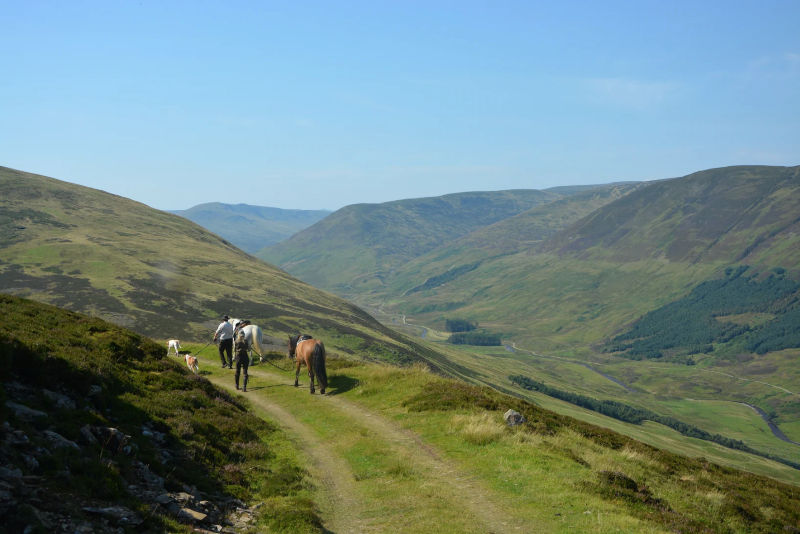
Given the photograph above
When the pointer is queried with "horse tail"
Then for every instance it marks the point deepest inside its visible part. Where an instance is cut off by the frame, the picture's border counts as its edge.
(319, 364)
(258, 339)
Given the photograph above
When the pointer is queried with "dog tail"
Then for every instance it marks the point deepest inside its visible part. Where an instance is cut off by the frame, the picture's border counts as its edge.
(319, 364)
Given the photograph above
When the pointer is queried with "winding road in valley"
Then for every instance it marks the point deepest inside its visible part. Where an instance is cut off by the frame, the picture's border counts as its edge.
(777, 432)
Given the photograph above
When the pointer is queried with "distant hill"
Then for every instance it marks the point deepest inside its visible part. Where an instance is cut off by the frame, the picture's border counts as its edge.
(358, 246)
(515, 234)
(251, 228)
(683, 291)
(657, 242)
(730, 214)
(159, 274)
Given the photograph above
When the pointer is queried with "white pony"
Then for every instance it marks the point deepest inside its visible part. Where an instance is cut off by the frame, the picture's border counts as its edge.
(253, 336)
(174, 344)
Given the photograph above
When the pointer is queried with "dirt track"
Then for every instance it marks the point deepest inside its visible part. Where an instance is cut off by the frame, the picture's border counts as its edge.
(342, 509)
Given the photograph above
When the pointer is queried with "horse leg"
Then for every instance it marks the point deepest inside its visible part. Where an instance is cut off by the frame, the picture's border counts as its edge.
(311, 376)
(297, 372)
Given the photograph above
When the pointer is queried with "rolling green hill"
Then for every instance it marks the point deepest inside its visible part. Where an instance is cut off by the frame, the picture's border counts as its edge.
(102, 432)
(746, 214)
(251, 228)
(158, 273)
(562, 280)
(630, 256)
(555, 304)
(358, 246)
(516, 234)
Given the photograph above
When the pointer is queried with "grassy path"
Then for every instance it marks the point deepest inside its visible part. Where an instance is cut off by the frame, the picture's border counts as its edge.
(371, 474)
(336, 499)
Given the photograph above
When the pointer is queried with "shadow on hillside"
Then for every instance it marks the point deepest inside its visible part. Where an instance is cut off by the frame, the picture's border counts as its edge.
(340, 384)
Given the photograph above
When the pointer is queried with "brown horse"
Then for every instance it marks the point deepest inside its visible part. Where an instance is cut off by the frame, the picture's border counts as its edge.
(310, 352)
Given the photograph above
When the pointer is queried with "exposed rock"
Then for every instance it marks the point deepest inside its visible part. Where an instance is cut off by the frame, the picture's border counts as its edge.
(18, 438)
(182, 497)
(87, 436)
(24, 412)
(147, 478)
(10, 474)
(513, 418)
(31, 462)
(94, 390)
(60, 441)
(164, 498)
(187, 514)
(59, 400)
(112, 439)
(118, 514)
(159, 437)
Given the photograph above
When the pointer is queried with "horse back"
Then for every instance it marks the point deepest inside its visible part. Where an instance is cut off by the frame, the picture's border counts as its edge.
(254, 336)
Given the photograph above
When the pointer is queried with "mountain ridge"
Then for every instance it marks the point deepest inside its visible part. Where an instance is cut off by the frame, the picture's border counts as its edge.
(250, 227)
(365, 242)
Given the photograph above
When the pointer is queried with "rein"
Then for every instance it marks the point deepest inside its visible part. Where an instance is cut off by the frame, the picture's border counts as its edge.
(275, 366)
(199, 351)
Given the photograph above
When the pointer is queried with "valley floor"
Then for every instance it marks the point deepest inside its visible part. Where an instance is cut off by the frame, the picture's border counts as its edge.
(710, 399)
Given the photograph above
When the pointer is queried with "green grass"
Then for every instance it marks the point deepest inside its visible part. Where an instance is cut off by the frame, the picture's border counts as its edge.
(354, 248)
(736, 420)
(555, 470)
(493, 366)
(421, 453)
(214, 443)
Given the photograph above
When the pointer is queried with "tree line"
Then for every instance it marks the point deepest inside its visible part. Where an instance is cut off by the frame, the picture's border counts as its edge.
(691, 326)
(484, 339)
(632, 414)
(459, 325)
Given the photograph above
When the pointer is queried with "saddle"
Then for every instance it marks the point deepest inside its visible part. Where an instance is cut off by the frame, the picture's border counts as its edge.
(304, 337)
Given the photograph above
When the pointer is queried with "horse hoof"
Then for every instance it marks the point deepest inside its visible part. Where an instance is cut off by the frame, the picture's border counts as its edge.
(322, 392)
(296, 384)
(312, 391)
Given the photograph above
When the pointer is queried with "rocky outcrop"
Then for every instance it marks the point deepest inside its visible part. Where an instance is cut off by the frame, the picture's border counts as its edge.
(30, 440)
(513, 418)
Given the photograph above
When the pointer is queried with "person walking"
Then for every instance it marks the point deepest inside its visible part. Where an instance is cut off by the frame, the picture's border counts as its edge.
(242, 359)
(224, 334)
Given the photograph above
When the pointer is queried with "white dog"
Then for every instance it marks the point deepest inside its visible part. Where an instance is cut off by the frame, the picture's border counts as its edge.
(191, 363)
(174, 344)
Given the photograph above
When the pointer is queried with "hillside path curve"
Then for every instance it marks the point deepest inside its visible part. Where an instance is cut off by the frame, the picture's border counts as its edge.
(462, 491)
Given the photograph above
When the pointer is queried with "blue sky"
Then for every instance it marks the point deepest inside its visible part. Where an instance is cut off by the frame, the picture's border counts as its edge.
(317, 105)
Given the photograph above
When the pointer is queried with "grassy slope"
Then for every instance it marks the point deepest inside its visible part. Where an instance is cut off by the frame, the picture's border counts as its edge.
(157, 273)
(628, 257)
(671, 235)
(633, 255)
(387, 424)
(214, 443)
(251, 228)
(507, 237)
(555, 474)
(355, 248)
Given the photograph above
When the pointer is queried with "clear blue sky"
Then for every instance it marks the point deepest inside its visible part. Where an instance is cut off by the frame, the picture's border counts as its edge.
(317, 105)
